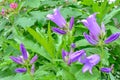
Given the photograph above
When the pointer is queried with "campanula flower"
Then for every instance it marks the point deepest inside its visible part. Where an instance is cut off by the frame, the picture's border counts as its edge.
(69, 57)
(13, 5)
(23, 60)
(89, 62)
(58, 19)
(106, 69)
(96, 32)
(20, 70)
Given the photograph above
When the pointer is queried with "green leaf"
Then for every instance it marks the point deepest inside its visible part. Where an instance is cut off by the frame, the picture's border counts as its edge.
(87, 76)
(33, 3)
(108, 17)
(41, 40)
(25, 21)
(82, 42)
(111, 76)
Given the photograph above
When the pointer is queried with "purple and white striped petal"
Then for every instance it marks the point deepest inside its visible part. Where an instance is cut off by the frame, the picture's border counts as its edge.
(71, 23)
(57, 30)
(23, 51)
(75, 56)
(90, 39)
(57, 18)
(18, 60)
(33, 59)
(112, 38)
(20, 70)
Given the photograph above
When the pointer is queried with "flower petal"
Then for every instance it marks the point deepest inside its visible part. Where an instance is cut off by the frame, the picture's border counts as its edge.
(92, 25)
(57, 18)
(64, 54)
(20, 70)
(90, 39)
(23, 51)
(106, 70)
(33, 59)
(57, 30)
(86, 67)
(18, 60)
(32, 69)
(112, 38)
(75, 56)
(71, 23)
(73, 45)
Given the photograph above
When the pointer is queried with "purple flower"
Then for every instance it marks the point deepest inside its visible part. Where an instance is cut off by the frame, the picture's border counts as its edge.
(23, 51)
(58, 30)
(70, 57)
(96, 32)
(71, 23)
(32, 69)
(73, 45)
(18, 60)
(33, 59)
(112, 38)
(3, 11)
(20, 70)
(58, 19)
(90, 62)
(106, 69)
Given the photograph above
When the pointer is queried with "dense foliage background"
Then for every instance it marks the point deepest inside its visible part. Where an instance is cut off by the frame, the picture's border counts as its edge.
(29, 25)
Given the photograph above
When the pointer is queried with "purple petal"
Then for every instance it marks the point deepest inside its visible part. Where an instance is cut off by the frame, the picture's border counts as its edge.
(112, 38)
(90, 39)
(103, 29)
(23, 51)
(75, 56)
(57, 18)
(57, 30)
(83, 59)
(33, 59)
(71, 23)
(87, 67)
(92, 25)
(32, 69)
(64, 54)
(18, 60)
(20, 70)
(73, 45)
(106, 70)
(93, 59)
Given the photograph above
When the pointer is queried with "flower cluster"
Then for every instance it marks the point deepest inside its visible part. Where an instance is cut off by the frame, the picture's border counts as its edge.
(96, 33)
(60, 21)
(24, 60)
(13, 5)
(89, 62)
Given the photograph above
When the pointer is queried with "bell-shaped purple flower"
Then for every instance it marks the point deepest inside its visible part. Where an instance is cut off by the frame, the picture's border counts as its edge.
(90, 39)
(32, 69)
(71, 23)
(75, 56)
(20, 70)
(90, 62)
(106, 70)
(92, 25)
(57, 18)
(18, 60)
(58, 30)
(64, 55)
(33, 59)
(23, 51)
(112, 38)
